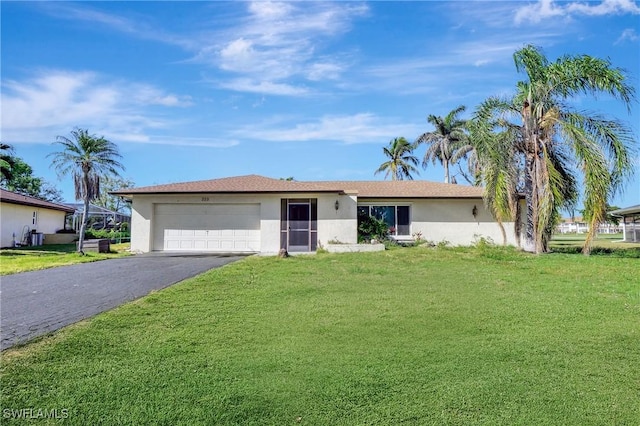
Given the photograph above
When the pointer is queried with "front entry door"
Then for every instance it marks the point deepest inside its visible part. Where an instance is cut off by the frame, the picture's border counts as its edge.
(299, 225)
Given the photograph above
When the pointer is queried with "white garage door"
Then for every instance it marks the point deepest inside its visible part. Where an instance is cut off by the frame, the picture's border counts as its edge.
(207, 227)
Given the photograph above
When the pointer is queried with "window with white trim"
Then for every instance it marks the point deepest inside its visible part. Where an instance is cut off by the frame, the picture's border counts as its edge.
(397, 217)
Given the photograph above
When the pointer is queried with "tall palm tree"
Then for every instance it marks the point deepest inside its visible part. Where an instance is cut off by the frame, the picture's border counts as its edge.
(547, 142)
(87, 158)
(448, 136)
(402, 162)
(6, 161)
(468, 153)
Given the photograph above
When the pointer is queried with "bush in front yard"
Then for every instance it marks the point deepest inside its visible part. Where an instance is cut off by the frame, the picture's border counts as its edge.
(110, 234)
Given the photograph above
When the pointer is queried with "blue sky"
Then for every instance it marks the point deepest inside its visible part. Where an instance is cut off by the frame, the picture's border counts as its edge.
(200, 90)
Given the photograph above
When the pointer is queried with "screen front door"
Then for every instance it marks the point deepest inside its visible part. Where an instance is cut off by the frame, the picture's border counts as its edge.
(299, 225)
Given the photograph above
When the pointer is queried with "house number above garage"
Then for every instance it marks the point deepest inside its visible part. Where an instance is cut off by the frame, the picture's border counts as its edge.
(205, 198)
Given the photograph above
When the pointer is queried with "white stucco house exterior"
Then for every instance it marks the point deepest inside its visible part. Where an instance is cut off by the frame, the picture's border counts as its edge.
(257, 214)
(20, 214)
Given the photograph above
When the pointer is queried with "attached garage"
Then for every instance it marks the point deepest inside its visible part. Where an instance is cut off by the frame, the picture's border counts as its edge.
(207, 227)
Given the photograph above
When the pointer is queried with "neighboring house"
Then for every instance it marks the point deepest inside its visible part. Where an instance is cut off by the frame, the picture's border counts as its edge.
(259, 214)
(21, 215)
(630, 223)
(578, 225)
(573, 225)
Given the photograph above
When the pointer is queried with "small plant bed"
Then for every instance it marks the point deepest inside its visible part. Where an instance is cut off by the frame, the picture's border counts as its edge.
(419, 336)
(25, 259)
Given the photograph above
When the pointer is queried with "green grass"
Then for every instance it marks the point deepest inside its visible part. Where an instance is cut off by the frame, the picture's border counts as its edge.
(608, 244)
(408, 336)
(25, 259)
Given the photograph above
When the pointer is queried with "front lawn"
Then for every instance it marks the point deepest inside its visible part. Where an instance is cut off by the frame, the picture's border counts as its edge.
(23, 259)
(408, 336)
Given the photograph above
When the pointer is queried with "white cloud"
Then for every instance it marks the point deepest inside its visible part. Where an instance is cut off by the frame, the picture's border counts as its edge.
(75, 12)
(539, 11)
(481, 62)
(173, 141)
(270, 9)
(272, 45)
(607, 7)
(628, 34)
(350, 129)
(277, 42)
(324, 71)
(264, 87)
(149, 95)
(545, 9)
(55, 101)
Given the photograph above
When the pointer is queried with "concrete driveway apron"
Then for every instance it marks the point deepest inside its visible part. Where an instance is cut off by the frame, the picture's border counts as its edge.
(39, 302)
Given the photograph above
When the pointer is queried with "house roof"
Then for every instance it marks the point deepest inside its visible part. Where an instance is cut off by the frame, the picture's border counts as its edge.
(15, 198)
(627, 211)
(261, 184)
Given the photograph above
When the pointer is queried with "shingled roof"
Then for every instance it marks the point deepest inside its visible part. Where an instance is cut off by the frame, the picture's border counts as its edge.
(25, 200)
(262, 184)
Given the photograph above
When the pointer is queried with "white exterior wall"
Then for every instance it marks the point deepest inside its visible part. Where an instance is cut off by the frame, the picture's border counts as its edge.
(438, 220)
(452, 220)
(141, 216)
(14, 218)
(332, 224)
(337, 225)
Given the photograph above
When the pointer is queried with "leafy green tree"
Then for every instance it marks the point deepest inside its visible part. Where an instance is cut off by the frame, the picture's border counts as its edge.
(87, 158)
(536, 143)
(113, 202)
(402, 163)
(50, 193)
(443, 142)
(22, 181)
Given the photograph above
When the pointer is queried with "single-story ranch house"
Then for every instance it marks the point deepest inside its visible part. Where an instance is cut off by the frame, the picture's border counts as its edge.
(22, 214)
(257, 214)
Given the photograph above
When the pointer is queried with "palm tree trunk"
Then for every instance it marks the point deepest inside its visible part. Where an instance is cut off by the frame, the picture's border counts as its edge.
(85, 214)
(597, 218)
(445, 163)
(530, 228)
(517, 224)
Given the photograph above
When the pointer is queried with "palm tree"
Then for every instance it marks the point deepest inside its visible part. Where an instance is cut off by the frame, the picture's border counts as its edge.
(87, 158)
(448, 136)
(497, 145)
(536, 143)
(402, 162)
(467, 152)
(6, 161)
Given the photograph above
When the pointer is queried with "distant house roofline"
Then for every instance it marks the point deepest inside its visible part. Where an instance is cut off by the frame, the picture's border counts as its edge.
(10, 197)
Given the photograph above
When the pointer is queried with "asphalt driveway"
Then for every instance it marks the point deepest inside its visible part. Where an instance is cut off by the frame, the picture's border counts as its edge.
(39, 302)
